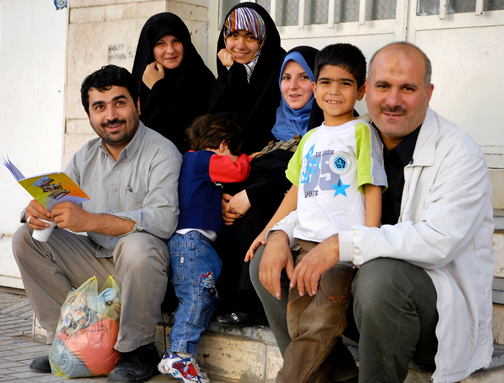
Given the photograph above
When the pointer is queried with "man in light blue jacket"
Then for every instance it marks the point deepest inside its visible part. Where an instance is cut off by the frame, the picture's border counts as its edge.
(131, 175)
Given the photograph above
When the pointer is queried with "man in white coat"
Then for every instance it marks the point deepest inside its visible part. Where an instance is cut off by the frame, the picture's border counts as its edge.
(424, 288)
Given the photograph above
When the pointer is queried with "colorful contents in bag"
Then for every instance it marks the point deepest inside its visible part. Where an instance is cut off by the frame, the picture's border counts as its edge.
(87, 331)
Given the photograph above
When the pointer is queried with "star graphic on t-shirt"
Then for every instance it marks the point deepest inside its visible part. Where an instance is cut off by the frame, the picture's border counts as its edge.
(340, 188)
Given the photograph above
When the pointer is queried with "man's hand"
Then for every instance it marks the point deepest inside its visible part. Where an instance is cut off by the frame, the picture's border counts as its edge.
(72, 217)
(260, 240)
(227, 216)
(308, 272)
(276, 257)
(152, 74)
(227, 59)
(34, 211)
(239, 204)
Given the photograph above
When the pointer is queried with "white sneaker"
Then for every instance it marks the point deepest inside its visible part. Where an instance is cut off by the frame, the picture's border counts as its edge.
(184, 369)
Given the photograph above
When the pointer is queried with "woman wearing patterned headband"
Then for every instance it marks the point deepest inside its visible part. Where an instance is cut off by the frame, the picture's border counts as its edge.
(248, 64)
(174, 82)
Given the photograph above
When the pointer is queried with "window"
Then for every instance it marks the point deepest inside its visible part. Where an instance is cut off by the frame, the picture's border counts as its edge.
(431, 7)
(317, 11)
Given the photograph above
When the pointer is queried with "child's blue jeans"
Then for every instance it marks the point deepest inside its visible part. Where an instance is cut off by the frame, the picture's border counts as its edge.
(195, 269)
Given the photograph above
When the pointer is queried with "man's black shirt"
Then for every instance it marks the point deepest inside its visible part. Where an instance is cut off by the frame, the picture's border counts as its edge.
(395, 160)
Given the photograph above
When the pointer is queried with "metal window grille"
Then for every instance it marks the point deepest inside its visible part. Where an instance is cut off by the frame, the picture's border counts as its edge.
(302, 12)
(443, 7)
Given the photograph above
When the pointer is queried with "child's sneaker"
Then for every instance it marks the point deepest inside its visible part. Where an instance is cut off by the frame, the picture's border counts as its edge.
(184, 369)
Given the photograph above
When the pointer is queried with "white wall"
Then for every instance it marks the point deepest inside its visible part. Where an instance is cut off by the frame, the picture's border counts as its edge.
(33, 38)
(468, 74)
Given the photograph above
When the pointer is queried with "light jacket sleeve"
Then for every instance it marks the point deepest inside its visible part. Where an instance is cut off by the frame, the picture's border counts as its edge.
(287, 225)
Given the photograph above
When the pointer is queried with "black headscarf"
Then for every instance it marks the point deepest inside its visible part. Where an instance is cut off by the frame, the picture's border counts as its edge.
(252, 105)
(175, 101)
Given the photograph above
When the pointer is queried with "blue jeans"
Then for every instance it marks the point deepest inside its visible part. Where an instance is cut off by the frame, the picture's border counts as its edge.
(195, 269)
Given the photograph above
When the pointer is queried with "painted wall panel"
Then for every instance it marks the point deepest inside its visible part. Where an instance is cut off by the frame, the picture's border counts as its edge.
(468, 76)
(32, 88)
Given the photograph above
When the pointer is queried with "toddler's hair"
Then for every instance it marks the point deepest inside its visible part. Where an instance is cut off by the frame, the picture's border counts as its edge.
(208, 131)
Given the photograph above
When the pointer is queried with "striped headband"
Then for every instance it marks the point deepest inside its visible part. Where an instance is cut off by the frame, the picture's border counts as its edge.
(246, 19)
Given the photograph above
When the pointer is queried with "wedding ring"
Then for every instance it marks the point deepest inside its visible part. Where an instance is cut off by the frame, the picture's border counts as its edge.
(28, 220)
(238, 214)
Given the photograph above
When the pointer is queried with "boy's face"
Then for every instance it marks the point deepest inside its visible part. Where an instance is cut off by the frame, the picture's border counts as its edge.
(336, 93)
(223, 150)
(227, 152)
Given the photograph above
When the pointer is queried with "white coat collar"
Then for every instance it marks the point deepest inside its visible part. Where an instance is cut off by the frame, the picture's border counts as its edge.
(425, 148)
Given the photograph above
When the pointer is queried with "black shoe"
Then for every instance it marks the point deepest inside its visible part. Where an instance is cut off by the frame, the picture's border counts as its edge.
(243, 319)
(136, 366)
(354, 379)
(41, 364)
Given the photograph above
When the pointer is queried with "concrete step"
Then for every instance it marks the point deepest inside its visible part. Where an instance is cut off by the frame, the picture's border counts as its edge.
(498, 243)
(250, 355)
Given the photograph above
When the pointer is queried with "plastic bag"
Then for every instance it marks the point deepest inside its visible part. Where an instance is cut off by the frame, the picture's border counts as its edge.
(87, 331)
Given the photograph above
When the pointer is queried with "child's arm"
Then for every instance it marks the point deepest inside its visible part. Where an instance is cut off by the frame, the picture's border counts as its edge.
(223, 169)
(289, 204)
(373, 204)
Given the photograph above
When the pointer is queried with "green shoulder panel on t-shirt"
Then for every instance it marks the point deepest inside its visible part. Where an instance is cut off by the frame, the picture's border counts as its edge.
(363, 151)
(293, 172)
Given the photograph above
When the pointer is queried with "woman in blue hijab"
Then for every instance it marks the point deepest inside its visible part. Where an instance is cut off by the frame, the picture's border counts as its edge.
(293, 114)
(256, 200)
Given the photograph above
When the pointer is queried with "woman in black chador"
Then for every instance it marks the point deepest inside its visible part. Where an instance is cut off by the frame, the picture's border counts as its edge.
(174, 82)
(248, 64)
(254, 202)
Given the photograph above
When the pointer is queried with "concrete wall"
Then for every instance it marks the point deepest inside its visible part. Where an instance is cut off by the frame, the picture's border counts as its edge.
(33, 36)
(42, 122)
(44, 56)
(105, 32)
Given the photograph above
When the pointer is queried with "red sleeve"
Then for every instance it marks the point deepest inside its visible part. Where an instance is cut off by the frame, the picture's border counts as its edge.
(222, 169)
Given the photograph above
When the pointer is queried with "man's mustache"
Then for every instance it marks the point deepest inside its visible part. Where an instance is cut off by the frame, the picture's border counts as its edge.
(395, 109)
(113, 122)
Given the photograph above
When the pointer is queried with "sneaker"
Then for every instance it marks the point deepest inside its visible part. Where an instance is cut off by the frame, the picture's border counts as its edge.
(184, 369)
(136, 366)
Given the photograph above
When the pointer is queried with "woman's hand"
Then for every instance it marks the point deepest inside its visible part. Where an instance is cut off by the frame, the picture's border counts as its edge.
(227, 59)
(239, 204)
(227, 216)
(152, 74)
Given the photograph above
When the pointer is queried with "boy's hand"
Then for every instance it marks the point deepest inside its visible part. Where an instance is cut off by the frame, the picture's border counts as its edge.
(260, 240)
(34, 211)
(308, 272)
(152, 74)
(227, 59)
(254, 155)
(276, 257)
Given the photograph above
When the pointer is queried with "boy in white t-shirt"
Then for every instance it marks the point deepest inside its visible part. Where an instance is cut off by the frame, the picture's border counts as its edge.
(339, 176)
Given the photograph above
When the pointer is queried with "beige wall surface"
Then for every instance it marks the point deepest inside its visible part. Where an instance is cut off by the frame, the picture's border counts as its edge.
(103, 32)
(33, 37)
(46, 53)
